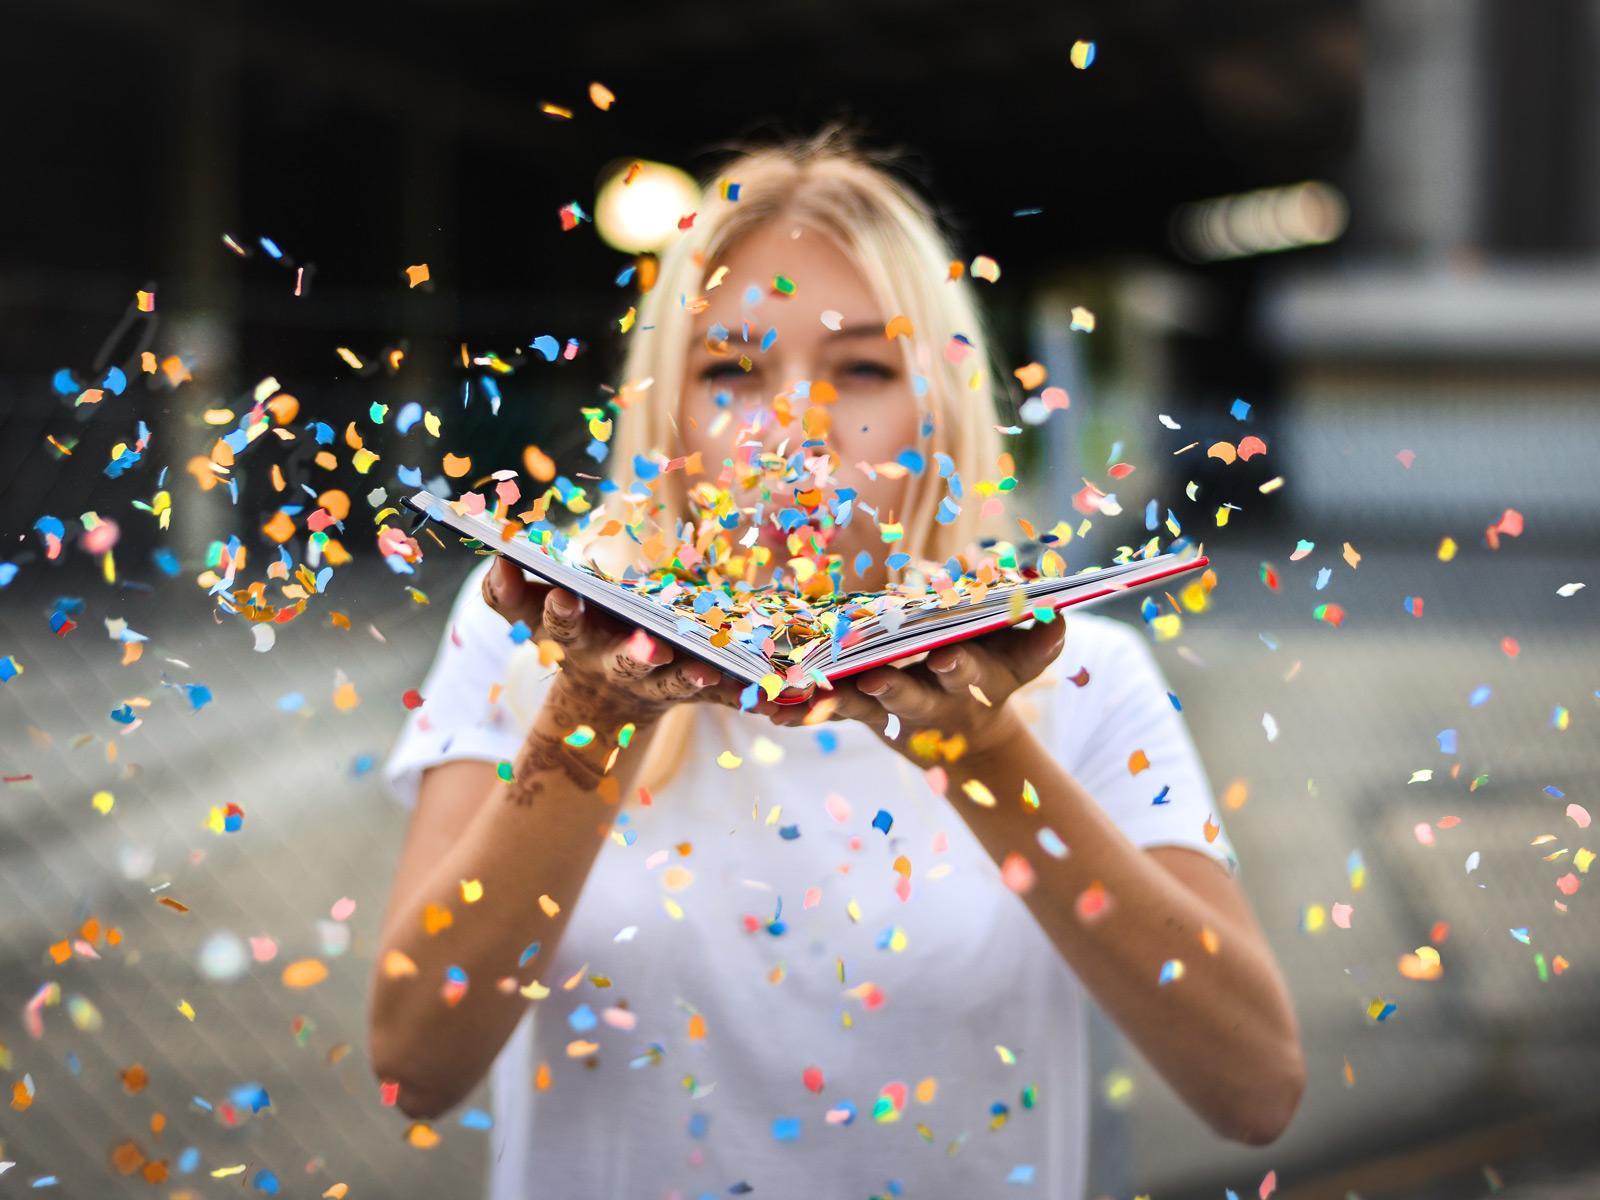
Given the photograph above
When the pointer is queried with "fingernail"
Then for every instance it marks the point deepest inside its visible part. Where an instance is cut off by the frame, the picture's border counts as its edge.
(873, 689)
(947, 668)
(561, 601)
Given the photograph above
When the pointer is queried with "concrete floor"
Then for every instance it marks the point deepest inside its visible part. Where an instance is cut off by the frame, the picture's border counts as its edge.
(1356, 718)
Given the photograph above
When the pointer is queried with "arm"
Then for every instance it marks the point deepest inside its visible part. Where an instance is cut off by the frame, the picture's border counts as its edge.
(1224, 1034)
(534, 836)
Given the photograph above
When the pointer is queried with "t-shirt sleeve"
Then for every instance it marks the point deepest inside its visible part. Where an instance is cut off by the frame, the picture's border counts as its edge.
(1122, 718)
(463, 714)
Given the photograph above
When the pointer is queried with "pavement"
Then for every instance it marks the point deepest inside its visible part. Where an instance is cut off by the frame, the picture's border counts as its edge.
(1357, 709)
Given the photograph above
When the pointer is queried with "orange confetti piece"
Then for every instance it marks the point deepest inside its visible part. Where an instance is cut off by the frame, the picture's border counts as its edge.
(436, 917)
(899, 326)
(417, 274)
(697, 1028)
(1138, 761)
(457, 465)
(422, 1136)
(307, 972)
(601, 97)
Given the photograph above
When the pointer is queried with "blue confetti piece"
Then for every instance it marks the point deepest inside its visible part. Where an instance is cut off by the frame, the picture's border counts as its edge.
(1021, 1173)
(582, 1018)
(270, 246)
(199, 695)
(519, 632)
(1447, 741)
(323, 432)
(73, 1064)
(699, 1125)
(266, 1182)
(1325, 574)
(912, 461)
(10, 668)
(115, 382)
(949, 510)
(788, 832)
(827, 741)
(363, 764)
(293, 702)
(749, 697)
(862, 563)
(645, 469)
(408, 417)
(883, 820)
(1162, 796)
(752, 295)
(63, 383)
(410, 476)
(1556, 792)
(786, 1129)
(476, 1118)
(44, 1181)
(8, 572)
(1521, 934)
(1152, 516)
(50, 527)
(1480, 695)
(1176, 703)
(123, 714)
(740, 1189)
(547, 346)
(1240, 410)
(768, 338)
(625, 276)
(189, 1159)
(897, 560)
(527, 954)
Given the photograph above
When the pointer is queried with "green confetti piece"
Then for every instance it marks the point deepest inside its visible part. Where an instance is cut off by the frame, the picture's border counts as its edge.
(504, 771)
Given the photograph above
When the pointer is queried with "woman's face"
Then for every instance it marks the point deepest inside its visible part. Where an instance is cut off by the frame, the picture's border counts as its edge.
(856, 377)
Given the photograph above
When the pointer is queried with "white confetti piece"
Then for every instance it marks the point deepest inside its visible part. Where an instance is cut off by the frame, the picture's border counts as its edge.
(891, 727)
(1569, 589)
(1270, 724)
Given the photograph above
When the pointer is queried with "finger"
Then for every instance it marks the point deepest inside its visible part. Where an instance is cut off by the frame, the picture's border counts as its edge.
(629, 659)
(511, 594)
(729, 693)
(906, 693)
(958, 668)
(563, 618)
(1027, 652)
(678, 682)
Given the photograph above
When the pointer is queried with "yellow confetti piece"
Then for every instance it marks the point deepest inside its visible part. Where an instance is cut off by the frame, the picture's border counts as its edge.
(673, 908)
(304, 973)
(1082, 54)
(926, 1090)
(186, 1009)
(1006, 1056)
(555, 110)
(337, 1191)
(471, 890)
(550, 907)
(853, 910)
(728, 760)
(226, 1172)
(349, 357)
(535, 990)
(363, 460)
(1082, 319)
(1447, 549)
(1582, 860)
(978, 793)
(103, 802)
(977, 694)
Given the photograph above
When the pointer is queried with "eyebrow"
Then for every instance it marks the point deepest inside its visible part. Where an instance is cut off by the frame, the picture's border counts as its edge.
(862, 329)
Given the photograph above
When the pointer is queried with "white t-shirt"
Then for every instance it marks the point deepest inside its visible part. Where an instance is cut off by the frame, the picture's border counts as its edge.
(718, 1004)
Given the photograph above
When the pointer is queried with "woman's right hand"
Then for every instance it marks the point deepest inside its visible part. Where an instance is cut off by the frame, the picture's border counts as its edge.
(615, 672)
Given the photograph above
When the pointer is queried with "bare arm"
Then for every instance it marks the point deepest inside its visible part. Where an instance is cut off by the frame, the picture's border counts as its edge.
(529, 843)
(1224, 1033)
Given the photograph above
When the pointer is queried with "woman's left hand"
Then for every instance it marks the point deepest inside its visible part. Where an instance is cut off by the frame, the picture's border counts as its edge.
(958, 692)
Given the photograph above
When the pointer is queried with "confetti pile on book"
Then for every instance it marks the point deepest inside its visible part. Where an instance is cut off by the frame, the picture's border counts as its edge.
(775, 639)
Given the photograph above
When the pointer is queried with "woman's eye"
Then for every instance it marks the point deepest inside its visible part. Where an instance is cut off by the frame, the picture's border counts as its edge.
(723, 370)
(866, 370)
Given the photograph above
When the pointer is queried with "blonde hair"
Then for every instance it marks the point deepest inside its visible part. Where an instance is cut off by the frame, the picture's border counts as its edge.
(893, 238)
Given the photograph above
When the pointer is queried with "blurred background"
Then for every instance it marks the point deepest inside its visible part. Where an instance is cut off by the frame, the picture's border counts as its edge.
(1365, 233)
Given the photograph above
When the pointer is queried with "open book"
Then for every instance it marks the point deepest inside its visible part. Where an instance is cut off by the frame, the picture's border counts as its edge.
(789, 644)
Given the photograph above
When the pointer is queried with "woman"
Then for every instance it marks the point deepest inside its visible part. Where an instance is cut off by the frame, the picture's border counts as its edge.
(776, 948)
